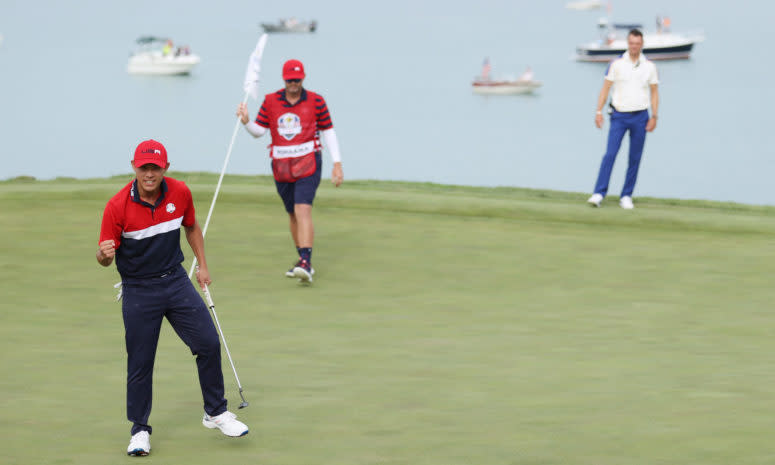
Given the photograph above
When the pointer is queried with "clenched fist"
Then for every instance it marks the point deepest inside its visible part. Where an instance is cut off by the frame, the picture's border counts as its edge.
(106, 252)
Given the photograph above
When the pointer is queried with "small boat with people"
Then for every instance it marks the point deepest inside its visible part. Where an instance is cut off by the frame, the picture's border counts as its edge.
(290, 25)
(484, 84)
(660, 45)
(157, 55)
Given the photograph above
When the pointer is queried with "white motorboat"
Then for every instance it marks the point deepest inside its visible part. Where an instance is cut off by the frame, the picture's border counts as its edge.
(290, 25)
(155, 55)
(483, 84)
(659, 45)
(491, 87)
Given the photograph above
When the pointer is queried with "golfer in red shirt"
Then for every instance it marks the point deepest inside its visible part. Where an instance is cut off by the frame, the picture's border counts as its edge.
(141, 231)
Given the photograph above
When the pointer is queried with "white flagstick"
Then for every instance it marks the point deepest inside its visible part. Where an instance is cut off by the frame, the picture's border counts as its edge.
(218, 187)
(251, 89)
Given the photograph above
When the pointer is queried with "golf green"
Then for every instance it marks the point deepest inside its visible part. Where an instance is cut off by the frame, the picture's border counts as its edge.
(446, 325)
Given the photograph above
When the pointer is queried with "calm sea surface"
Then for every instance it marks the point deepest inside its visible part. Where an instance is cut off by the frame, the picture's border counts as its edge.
(396, 76)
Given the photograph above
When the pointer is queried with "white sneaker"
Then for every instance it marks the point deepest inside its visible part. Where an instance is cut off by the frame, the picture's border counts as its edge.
(291, 274)
(140, 444)
(626, 203)
(595, 200)
(303, 271)
(226, 422)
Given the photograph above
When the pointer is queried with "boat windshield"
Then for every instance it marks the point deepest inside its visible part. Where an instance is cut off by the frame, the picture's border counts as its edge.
(152, 40)
(159, 45)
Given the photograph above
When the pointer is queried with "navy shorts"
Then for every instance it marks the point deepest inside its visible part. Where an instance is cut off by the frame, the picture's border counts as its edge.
(303, 190)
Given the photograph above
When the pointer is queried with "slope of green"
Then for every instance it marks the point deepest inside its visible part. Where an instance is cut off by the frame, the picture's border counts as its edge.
(446, 325)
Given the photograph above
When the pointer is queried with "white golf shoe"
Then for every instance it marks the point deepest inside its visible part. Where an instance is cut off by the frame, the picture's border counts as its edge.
(626, 203)
(303, 271)
(140, 444)
(226, 422)
(595, 200)
(291, 274)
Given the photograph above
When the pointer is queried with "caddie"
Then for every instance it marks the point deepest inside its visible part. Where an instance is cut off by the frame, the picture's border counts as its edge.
(297, 119)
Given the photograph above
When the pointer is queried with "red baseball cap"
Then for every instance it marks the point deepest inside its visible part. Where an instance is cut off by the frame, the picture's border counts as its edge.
(293, 69)
(150, 151)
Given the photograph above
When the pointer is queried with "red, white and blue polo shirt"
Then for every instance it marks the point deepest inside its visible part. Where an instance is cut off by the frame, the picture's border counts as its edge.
(294, 128)
(148, 236)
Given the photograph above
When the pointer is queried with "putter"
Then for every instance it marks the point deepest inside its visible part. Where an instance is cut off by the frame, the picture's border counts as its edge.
(210, 303)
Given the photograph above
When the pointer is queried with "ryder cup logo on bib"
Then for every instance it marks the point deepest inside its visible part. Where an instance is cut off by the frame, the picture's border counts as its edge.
(289, 125)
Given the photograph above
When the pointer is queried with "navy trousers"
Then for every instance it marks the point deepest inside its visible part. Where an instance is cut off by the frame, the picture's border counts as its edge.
(634, 122)
(146, 303)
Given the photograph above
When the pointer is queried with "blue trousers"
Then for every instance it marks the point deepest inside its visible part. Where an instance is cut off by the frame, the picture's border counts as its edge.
(634, 122)
(146, 303)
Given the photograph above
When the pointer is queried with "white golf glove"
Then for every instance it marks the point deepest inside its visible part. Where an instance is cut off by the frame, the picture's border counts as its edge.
(120, 290)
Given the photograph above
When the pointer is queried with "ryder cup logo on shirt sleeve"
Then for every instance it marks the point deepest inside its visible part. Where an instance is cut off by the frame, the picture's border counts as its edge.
(289, 125)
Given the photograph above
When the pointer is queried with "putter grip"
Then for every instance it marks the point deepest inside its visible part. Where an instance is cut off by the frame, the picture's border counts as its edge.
(208, 298)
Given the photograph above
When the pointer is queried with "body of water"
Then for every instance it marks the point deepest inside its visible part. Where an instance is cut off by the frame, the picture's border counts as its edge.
(396, 76)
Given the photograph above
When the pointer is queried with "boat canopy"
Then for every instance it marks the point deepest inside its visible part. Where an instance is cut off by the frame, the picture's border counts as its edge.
(145, 40)
(627, 26)
(603, 23)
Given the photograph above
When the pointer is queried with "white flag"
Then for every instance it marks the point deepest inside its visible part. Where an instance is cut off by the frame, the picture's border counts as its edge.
(254, 67)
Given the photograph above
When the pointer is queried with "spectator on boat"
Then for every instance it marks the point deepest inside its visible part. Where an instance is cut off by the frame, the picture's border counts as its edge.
(633, 79)
(663, 24)
(167, 49)
(527, 75)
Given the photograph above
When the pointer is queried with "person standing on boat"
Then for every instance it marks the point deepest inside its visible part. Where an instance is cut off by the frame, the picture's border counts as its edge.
(167, 49)
(527, 75)
(296, 119)
(634, 81)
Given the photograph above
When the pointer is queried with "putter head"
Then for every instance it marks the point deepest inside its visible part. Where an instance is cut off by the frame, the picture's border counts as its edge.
(243, 404)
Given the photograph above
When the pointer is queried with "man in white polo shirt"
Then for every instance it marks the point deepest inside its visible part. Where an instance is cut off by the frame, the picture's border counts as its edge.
(634, 81)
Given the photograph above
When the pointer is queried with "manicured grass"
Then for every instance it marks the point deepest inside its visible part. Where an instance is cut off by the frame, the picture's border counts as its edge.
(446, 325)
